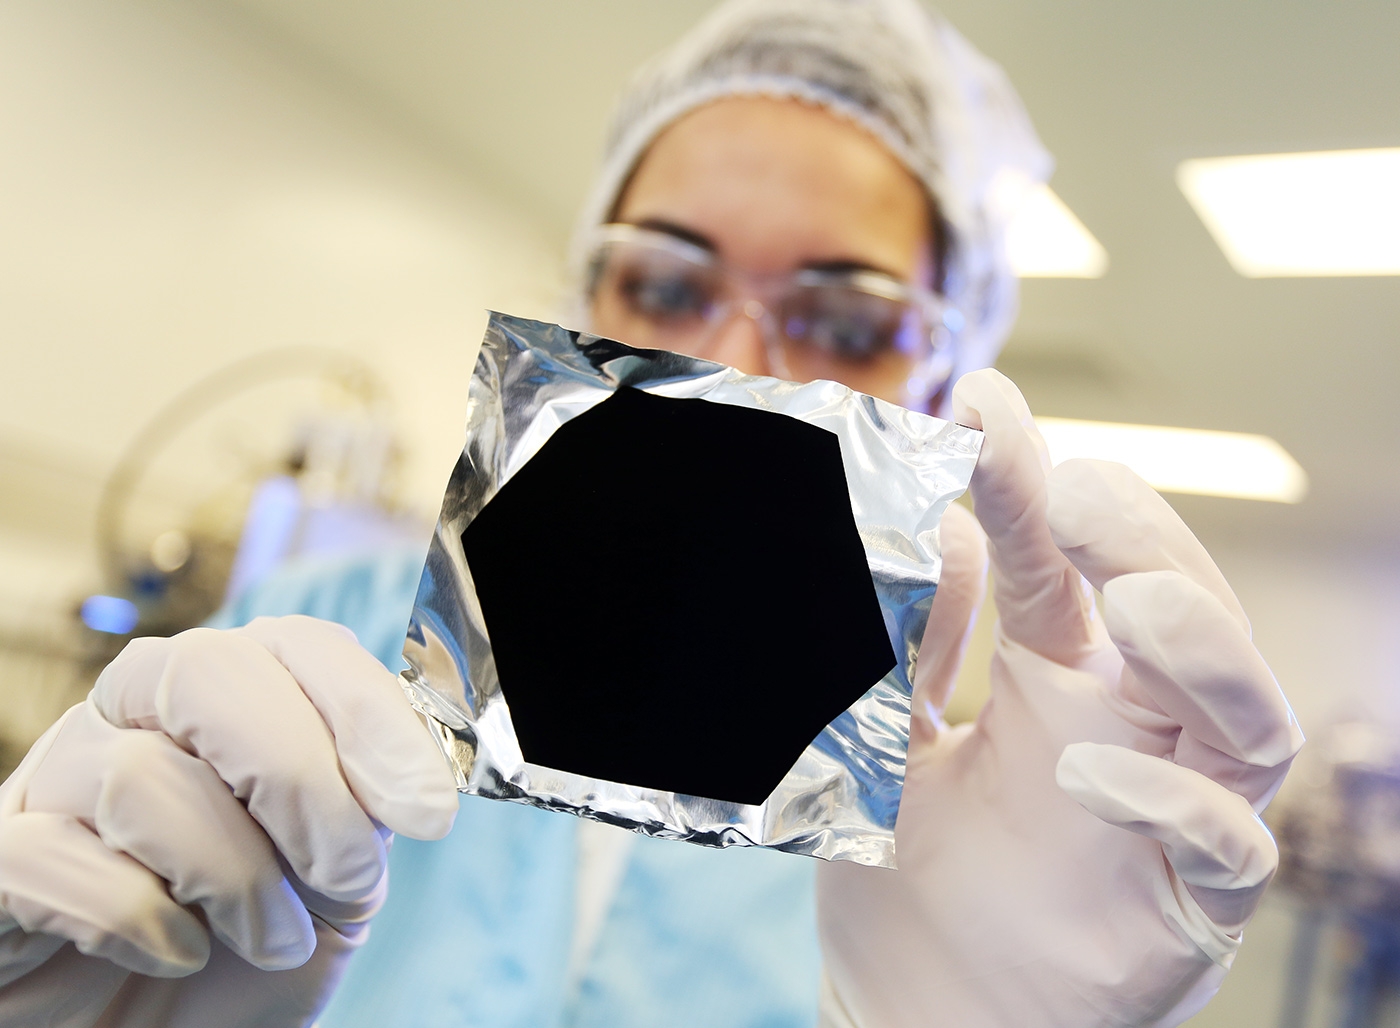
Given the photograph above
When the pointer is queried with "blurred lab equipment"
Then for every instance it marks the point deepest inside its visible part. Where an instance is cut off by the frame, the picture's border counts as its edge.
(284, 453)
(287, 453)
(1339, 850)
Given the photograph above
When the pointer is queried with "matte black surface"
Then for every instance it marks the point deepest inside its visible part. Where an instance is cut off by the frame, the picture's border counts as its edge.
(677, 596)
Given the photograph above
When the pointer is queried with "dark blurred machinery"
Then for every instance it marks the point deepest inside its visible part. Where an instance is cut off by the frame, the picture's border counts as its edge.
(286, 453)
(1339, 846)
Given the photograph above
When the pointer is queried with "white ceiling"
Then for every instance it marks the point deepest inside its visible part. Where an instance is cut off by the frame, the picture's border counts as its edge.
(516, 95)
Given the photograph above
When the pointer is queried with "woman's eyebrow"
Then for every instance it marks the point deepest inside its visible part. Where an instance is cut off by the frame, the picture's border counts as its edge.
(837, 265)
(670, 228)
(848, 266)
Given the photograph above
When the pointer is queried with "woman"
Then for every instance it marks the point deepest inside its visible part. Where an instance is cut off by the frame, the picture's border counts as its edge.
(801, 189)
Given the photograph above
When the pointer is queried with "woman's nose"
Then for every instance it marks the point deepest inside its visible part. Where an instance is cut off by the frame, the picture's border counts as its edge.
(740, 342)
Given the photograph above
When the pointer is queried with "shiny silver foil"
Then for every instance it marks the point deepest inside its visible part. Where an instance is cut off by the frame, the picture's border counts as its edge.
(840, 799)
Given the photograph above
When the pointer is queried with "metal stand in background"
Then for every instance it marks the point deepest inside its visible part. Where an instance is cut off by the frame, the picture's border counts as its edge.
(1339, 849)
(1302, 967)
(305, 432)
(167, 577)
(1373, 983)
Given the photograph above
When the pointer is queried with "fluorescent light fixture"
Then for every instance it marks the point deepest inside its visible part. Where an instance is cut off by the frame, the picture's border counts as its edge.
(1301, 214)
(1046, 240)
(1184, 460)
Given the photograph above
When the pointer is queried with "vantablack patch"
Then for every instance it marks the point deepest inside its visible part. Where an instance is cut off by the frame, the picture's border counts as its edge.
(677, 596)
(659, 593)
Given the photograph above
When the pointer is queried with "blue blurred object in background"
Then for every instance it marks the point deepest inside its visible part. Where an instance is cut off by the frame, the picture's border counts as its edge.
(110, 614)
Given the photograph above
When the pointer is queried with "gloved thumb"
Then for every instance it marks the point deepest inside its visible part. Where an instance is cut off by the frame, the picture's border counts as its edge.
(389, 761)
(962, 585)
(1043, 602)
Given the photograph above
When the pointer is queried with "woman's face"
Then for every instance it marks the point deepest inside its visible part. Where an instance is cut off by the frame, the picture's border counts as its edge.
(774, 187)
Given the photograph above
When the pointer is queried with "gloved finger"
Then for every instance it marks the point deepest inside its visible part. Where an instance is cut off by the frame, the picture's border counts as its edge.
(961, 588)
(1198, 664)
(1255, 783)
(69, 990)
(221, 862)
(1041, 599)
(161, 936)
(224, 698)
(1211, 837)
(21, 952)
(169, 811)
(58, 878)
(1109, 522)
(392, 765)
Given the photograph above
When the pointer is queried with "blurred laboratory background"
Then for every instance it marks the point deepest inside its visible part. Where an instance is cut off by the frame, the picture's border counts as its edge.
(247, 247)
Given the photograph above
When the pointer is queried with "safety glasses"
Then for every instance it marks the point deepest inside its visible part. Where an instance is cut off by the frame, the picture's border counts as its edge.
(864, 328)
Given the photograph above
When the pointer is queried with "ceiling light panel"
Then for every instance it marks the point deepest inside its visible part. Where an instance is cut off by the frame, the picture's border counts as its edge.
(1046, 240)
(1301, 214)
(1184, 460)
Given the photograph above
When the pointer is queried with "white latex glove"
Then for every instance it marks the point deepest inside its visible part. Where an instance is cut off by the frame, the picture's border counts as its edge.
(1088, 851)
(202, 842)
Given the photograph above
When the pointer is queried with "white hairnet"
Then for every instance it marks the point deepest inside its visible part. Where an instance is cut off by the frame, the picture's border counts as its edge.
(905, 75)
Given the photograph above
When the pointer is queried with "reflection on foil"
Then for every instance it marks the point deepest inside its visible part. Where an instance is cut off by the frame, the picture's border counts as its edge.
(840, 799)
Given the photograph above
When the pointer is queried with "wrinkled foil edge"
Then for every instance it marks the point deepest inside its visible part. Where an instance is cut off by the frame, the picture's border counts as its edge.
(841, 798)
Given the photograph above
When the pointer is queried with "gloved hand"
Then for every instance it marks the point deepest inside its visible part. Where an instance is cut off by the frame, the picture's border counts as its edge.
(1087, 852)
(202, 842)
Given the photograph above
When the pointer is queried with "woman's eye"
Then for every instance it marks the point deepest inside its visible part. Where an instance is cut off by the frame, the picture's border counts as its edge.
(847, 337)
(850, 326)
(665, 296)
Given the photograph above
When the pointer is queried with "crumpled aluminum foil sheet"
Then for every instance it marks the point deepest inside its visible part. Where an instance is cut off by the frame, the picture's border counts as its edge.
(840, 800)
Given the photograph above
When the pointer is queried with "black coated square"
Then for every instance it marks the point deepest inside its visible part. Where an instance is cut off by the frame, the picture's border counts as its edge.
(677, 596)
